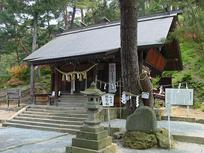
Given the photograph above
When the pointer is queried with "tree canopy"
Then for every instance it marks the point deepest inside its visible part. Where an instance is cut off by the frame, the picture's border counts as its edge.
(18, 19)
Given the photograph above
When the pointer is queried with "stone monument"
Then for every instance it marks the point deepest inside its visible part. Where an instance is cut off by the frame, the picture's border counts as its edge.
(143, 120)
(92, 138)
(140, 129)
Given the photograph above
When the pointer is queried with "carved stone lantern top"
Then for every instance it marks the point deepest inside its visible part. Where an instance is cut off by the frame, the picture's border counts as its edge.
(93, 91)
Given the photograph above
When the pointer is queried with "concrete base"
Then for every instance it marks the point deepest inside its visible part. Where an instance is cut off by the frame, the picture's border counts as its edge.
(92, 144)
(92, 140)
(189, 139)
(110, 149)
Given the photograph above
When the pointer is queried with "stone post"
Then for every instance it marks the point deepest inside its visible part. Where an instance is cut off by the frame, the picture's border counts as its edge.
(92, 137)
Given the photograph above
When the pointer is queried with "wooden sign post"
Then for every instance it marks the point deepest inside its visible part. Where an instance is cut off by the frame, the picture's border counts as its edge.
(108, 101)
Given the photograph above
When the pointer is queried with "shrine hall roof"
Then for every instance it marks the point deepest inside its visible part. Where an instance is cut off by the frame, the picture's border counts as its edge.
(103, 38)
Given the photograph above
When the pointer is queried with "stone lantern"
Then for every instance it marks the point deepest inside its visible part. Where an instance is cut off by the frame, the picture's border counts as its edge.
(92, 138)
(93, 105)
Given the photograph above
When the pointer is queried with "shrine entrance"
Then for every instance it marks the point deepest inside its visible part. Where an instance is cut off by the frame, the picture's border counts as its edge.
(72, 79)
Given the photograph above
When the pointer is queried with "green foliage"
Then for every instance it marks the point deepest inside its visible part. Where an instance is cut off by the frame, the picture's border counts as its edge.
(25, 75)
(155, 82)
(18, 16)
(102, 9)
(190, 33)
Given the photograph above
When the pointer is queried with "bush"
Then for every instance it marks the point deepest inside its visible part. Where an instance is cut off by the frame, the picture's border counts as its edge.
(197, 105)
(19, 75)
(15, 71)
(202, 107)
(14, 82)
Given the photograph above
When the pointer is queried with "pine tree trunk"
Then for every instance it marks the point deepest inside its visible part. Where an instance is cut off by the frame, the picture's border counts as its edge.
(34, 34)
(65, 16)
(82, 15)
(73, 17)
(129, 53)
(34, 46)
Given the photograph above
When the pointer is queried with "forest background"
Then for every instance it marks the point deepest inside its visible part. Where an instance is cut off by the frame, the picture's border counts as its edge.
(26, 25)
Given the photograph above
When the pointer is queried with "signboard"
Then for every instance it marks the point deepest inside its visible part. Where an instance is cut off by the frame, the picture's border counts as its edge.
(145, 95)
(112, 78)
(108, 100)
(179, 96)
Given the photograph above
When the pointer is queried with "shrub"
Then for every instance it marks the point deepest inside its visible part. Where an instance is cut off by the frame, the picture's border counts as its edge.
(17, 70)
(13, 82)
(19, 75)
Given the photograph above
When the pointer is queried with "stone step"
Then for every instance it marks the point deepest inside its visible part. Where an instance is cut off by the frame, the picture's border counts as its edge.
(61, 118)
(47, 120)
(41, 123)
(74, 98)
(70, 118)
(64, 130)
(53, 107)
(73, 101)
(67, 104)
(76, 114)
(57, 111)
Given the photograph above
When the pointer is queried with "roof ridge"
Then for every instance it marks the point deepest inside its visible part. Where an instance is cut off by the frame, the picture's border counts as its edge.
(90, 28)
(141, 19)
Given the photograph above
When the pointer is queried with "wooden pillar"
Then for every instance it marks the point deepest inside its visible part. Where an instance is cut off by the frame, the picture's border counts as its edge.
(56, 79)
(32, 83)
(96, 74)
(52, 81)
(86, 84)
(73, 86)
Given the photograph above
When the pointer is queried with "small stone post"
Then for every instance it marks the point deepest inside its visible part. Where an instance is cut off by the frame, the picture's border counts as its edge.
(92, 137)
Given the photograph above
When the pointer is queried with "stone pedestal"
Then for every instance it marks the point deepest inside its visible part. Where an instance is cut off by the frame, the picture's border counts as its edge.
(92, 138)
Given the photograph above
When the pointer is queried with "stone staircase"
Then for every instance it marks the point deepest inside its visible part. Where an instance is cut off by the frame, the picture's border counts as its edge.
(67, 117)
(66, 100)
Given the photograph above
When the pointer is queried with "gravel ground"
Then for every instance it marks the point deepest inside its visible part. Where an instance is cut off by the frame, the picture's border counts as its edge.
(179, 111)
(16, 140)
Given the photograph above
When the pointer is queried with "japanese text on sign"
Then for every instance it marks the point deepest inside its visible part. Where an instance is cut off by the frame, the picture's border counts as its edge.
(108, 100)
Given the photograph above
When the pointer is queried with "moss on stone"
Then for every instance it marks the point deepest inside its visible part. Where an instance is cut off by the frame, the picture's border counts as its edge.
(162, 136)
(146, 140)
(139, 140)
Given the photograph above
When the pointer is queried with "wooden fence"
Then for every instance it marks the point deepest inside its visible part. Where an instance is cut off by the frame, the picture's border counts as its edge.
(25, 96)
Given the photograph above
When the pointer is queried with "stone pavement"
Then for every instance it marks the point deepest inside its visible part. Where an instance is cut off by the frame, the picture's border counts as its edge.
(177, 127)
(16, 140)
(180, 147)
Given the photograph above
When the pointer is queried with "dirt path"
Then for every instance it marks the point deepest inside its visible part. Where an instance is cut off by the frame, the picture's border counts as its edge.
(182, 112)
(6, 113)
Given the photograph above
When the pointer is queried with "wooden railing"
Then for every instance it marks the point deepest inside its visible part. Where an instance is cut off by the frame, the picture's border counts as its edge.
(24, 95)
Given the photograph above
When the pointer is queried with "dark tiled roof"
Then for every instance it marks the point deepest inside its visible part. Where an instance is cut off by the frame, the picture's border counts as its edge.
(151, 31)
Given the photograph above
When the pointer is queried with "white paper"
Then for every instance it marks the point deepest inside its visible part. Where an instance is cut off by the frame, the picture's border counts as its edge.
(108, 100)
(112, 78)
(145, 95)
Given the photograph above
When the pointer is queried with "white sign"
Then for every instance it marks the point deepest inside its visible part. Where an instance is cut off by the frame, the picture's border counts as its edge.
(112, 78)
(123, 98)
(179, 96)
(108, 100)
(145, 95)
